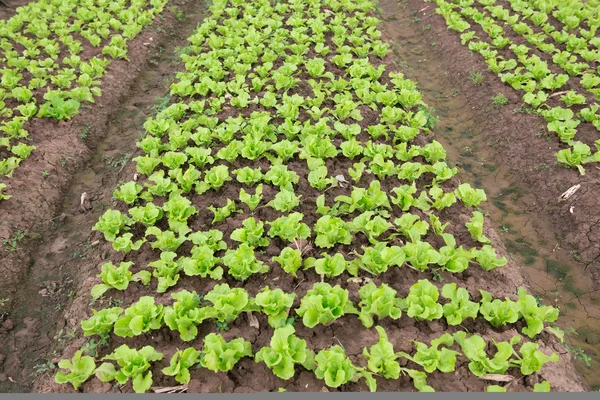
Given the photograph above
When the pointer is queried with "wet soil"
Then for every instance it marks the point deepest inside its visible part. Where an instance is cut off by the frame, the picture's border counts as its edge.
(508, 153)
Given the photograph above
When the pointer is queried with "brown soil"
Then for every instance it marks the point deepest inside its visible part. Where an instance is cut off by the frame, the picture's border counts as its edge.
(514, 141)
(69, 257)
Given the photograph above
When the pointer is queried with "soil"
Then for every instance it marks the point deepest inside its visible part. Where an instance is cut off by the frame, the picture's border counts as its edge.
(44, 328)
(518, 142)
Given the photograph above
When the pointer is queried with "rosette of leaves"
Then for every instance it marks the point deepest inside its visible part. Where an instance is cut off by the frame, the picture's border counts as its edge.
(323, 304)
(377, 301)
(275, 304)
(221, 356)
(118, 278)
(284, 352)
(133, 365)
(421, 302)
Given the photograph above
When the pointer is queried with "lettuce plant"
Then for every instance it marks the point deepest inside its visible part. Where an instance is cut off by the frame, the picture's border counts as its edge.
(180, 364)
(334, 366)
(140, 317)
(133, 365)
(227, 303)
(202, 263)
(118, 278)
(290, 260)
(111, 223)
(330, 266)
(421, 302)
(460, 307)
(498, 312)
(323, 304)
(432, 358)
(166, 270)
(242, 262)
(79, 368)
(101, 322)
(251, 233)
(275, 304)
(286, 350)
(377, 301)
(221, 356)
(185, 314)
(469, 196)
(289, 227)
(534, 315)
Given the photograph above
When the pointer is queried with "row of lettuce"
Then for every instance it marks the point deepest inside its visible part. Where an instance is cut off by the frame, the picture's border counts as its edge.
(287, 131)
(555, 62)
(53, 55)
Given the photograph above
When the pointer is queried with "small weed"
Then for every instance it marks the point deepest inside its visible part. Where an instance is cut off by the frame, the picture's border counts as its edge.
(12, 243)
(503, 229)
(64, 160)
(63, 335)
(426, 28)
(455, 92)
(579, 354)
(178, 12)
(433, 44)
(160, 103)
(499, 100)
(576, 256)
(436, 276)
(45, 173)
(117, 160)
(3, 301)
(476, 77)
(85, 131)
(542, 166)
(43, 367)
(112, 302)
(91, 347)
(222, 326)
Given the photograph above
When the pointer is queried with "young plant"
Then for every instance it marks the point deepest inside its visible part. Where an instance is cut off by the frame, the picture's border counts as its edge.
(334, 366)
(377, 301)
(139, 318)
(221, 356)
(180, 364)
(101, 322)
(133, 365)
(79, 368)
(498, 312)
(421, 302)
(242, 262)
(227, 303)
(460, 306)
(323, 304)
(431, 358)
(185, 314)
(286, 350)
(275, 304)
(118, 278)
(290, 260)
(251, 233)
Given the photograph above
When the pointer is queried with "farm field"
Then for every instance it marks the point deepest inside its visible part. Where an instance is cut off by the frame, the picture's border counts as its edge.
(293, 196)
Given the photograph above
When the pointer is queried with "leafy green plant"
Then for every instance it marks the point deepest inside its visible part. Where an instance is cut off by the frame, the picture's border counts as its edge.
(133, 366)
(286, 350)
(242, 262)
(180, 365)
(140, 317)
(334, 366)
(101, 322)
(460, 306)
(431, 358)
(221, 356)
(228, 303)
(185, 314)
(275, 304)
(377, 301)
(421, 302)
(323, 304)
(79, 368)
(118, 278)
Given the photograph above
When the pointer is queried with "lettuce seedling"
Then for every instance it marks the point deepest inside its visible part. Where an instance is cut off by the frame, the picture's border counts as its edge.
(202, 263)
(334, 366)
(421, 302)
(251, 233)
(118, 278)
(178, 210)
(111, 223)
(166, 270)
(420, 254)
(289, 227)
(180, 365)
(487, 259)
(474, 348)
(290, 260)
(252, 200)
(534, 315)
(148, 215)
(328, 266)
(139, 318)
(221, 213)
(531, 359)
(498, 312)
(475, 227)
(371, 224)
(185, 314)
(377, 301)
(432, 358)
(323, 304)
(79, 370)
(275, 304)
(286, 350)
(221, 356)
(133, 364)
(330, 231)
(460, 306)
(165, 241)
(227, 303)
(101, 322)
(469, 196)
(242, 262)
(213, 179)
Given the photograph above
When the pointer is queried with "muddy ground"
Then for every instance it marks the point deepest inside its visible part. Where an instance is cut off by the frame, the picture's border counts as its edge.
(43, 327)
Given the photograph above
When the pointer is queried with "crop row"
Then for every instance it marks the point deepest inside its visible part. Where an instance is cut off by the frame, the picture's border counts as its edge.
(286, 351)
(53, 55)
(322, 304)
(289, 141)
(576, 57)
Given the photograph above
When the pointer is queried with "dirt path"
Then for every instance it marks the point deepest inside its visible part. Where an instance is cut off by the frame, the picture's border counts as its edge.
(131, 93)
(505, 152)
